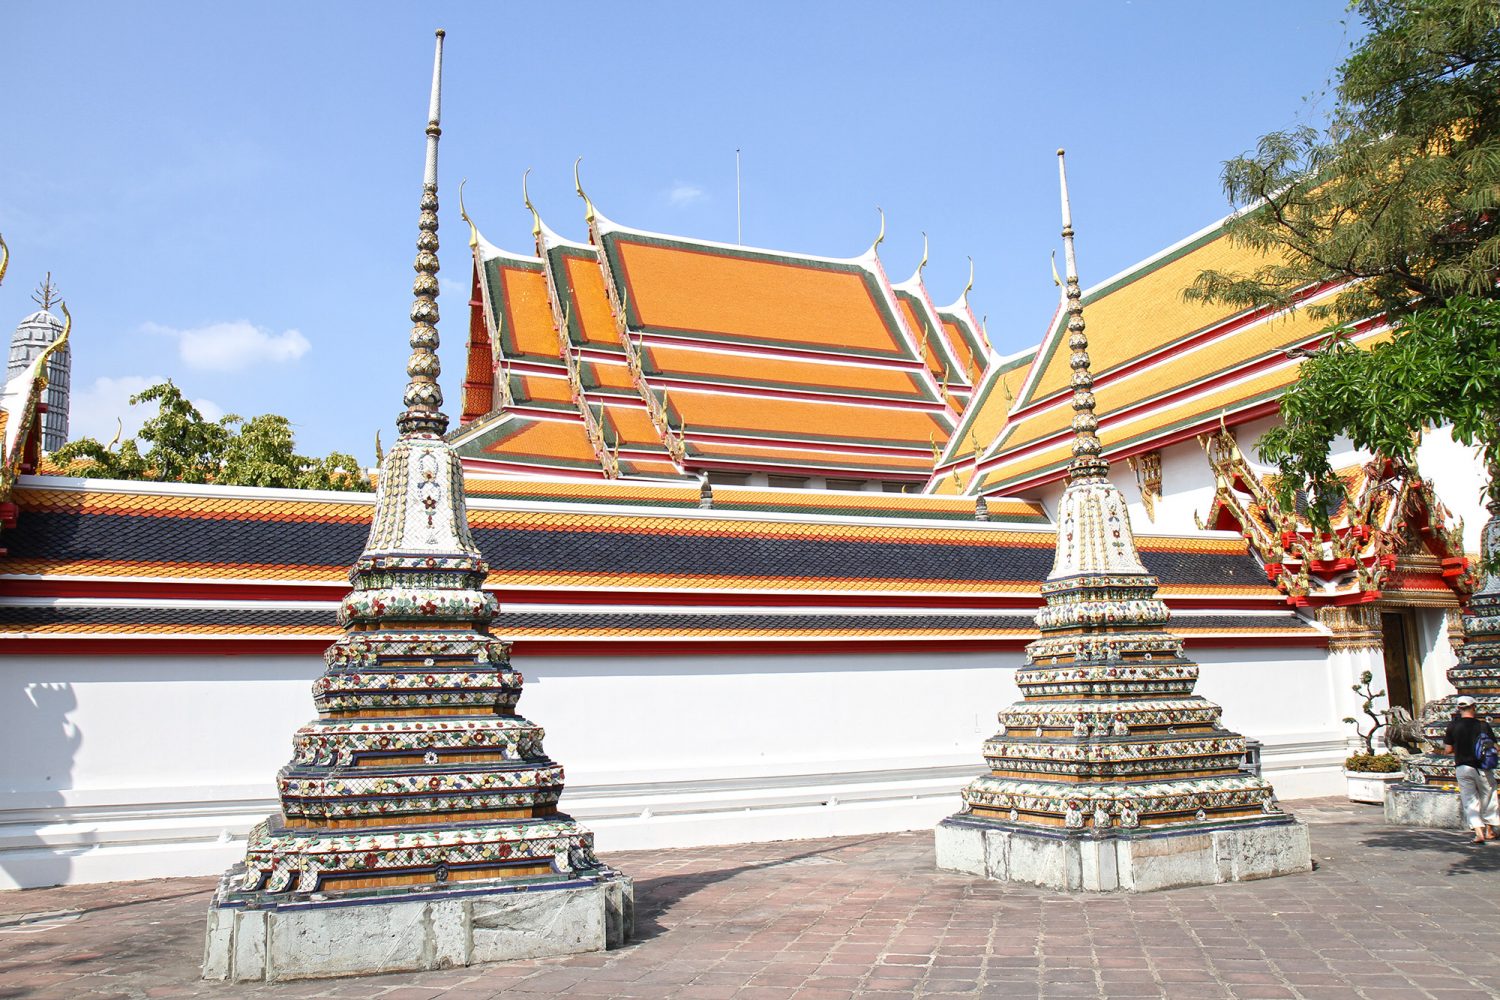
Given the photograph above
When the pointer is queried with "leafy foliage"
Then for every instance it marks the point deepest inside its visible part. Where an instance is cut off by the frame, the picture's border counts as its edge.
(1399, 193)
(1394, 205)
(1442, 368)
(181, 446)
(1373, 763)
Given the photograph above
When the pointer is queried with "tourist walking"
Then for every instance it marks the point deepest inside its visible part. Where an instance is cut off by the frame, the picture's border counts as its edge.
(1474, 767)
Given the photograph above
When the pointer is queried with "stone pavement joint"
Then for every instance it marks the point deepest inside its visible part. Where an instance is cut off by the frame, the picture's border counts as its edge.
(1389, 914)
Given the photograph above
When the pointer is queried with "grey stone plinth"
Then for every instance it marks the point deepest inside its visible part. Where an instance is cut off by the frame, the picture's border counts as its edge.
(1124, 860)
(1407, 804)
(433, 930)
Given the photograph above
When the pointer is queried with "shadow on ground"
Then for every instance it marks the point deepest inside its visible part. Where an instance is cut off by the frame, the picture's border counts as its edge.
(656, 896)
(1464, 859)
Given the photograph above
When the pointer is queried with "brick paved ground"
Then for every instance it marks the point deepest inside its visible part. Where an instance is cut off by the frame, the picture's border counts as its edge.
(1390, 914)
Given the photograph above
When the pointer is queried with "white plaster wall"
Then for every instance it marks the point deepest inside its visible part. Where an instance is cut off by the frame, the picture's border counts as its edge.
(1459, 477)
(632, 719)
(89, 727)
(1187, 490)
(1436, 652)
(1286, 698)
(131, 767)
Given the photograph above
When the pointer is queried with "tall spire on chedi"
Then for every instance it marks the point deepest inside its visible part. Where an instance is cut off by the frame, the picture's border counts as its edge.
(418, 805)
(1111, 773)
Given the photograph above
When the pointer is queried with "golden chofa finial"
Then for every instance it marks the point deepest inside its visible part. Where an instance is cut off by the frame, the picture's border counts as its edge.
(879, 237)
(588, 214)
(4, 258)
(970, 286)
(57, 344)
(923, 263)
(536, 219)
(463, 213)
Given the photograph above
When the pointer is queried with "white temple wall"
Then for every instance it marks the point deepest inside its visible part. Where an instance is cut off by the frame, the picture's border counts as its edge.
(1437, 652)
(1459, 477)
(127, 767)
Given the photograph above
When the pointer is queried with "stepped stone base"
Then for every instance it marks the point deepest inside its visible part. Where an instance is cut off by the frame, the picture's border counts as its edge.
(1124, 860)
(1407, 804)
(310, 939)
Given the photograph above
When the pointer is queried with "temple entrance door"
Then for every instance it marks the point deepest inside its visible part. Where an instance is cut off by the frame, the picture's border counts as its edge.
(1403, 666)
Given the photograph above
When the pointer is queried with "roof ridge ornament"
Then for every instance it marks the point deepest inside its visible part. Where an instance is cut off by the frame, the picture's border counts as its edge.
(57, 345)
(923, 262)
(463, 213)
(588, 213)
(969, 286)
(4, 257)
(536, 219)
(1087, 464)
(879, 237)
(424, 397)
(46, 293)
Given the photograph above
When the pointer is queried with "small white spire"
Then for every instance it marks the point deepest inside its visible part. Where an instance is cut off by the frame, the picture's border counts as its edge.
(1070, 260)
(435, 113)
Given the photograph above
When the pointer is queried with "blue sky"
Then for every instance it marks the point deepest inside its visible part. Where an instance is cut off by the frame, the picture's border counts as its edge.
(227, 194)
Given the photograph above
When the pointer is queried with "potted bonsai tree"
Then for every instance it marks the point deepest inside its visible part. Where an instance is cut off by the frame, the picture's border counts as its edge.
(1371, 770)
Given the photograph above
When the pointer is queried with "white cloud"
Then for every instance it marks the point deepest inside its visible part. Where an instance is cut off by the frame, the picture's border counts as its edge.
(453, 289)
(682, 194)
(94, 411)
(227, 347)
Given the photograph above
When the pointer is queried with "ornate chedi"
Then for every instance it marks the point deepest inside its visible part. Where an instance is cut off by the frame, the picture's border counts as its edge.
(1111, 773)
(418, 806)
(1428, 794)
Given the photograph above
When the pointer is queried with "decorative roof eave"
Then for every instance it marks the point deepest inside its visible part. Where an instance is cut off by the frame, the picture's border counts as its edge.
(482, 248)
(933, 336)
(970, 326)
(1366, 553)
(954, 455)
(607, 453)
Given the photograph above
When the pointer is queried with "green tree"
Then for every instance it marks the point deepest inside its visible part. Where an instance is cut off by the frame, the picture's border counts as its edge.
(1395, 202)
(181, 446)
(1442, 368)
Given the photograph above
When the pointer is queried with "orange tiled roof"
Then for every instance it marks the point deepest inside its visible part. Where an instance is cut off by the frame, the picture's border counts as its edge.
(737, 295)
(519, 317)
(816, 456)
(560, 442)
(805, 419)
(585, 300)
(686, 361)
